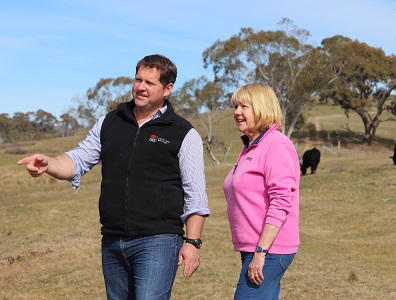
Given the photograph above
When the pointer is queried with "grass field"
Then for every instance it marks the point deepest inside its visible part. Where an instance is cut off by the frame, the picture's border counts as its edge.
(50, 234)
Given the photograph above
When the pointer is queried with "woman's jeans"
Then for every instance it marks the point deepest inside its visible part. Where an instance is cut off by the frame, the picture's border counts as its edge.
(142, 268)
(274, 267)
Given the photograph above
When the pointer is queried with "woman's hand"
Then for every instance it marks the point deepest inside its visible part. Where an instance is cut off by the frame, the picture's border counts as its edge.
(255, 269)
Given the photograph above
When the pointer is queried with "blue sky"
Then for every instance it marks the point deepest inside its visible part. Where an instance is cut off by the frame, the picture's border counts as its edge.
(51, 52)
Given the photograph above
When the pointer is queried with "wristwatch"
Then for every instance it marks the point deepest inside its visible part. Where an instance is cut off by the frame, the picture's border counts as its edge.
(259, 249)
(196, 242)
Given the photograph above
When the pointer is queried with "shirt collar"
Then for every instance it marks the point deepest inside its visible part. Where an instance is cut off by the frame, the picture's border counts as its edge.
(157, 114)
(161, 111)
(245, 140)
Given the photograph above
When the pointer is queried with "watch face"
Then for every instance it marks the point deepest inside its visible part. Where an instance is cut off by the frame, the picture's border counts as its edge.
(259, 249)
(199, 243)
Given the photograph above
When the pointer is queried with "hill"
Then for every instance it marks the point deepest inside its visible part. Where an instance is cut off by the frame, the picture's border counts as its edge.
(50, 239)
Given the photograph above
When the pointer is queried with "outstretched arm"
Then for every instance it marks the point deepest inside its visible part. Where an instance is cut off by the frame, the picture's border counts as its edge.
(61, 166)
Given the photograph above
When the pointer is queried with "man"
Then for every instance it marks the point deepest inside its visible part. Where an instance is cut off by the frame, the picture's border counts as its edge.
(152, 183)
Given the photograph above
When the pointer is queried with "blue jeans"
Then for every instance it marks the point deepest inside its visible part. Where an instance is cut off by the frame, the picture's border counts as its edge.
(274, 267)
(142, 268)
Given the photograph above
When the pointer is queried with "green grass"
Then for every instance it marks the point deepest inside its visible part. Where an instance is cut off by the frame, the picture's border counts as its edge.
(50, 234)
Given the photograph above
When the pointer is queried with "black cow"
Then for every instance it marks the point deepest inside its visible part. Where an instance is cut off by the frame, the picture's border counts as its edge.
(311, 158)
(394, 155)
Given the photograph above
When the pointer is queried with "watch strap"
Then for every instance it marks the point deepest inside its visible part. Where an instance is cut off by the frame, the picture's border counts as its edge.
(195, 242)
(259, 249)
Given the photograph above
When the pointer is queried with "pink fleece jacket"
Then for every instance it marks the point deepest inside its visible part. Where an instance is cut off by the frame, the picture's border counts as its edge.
(263, 187)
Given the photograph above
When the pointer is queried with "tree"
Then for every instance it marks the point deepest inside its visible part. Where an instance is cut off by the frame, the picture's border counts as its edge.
(392, 106)
(69, 124)
(363, 78)
(22, 128)
(5, 127)
(280, 58)
(44, 122)
(102, 98)
(198, 98)
(109, 92)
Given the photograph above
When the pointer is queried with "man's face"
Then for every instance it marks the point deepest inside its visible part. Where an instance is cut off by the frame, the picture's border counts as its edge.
(148, 92)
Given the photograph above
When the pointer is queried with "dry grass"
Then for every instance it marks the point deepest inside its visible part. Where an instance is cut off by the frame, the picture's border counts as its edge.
(50, 239)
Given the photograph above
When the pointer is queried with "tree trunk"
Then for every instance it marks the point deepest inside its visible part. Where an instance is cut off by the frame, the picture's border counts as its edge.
(208, 150)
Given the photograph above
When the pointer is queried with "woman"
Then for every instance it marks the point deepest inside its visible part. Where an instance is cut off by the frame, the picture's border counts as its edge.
(262, 193)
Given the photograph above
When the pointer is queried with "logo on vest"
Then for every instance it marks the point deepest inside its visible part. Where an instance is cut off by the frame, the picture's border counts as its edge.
(155, 138)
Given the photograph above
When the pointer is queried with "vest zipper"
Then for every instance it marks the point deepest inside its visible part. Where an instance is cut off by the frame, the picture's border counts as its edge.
(127, 184)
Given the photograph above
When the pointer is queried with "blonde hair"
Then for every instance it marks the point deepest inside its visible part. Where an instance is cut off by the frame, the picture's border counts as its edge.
(264, 103)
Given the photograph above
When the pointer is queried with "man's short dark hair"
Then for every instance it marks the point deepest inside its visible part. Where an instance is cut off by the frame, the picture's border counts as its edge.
(168, 70)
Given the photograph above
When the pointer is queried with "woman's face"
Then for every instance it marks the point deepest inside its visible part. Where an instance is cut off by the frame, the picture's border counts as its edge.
(244, 118)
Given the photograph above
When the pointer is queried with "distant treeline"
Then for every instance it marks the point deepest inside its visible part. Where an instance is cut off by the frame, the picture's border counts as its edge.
(35, 126)
(359, 78)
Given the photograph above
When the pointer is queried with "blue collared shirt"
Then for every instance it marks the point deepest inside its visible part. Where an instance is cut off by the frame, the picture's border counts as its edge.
(192, 171)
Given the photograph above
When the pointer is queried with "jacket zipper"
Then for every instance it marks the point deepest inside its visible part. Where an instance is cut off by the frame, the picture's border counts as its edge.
(240, 155)
(127, 183)
(129, 167)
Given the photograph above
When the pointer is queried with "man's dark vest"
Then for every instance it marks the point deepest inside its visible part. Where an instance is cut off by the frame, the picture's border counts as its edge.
(141, 192)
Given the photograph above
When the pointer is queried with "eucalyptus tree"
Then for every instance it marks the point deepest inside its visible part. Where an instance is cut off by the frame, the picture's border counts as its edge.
(22, 127)
(5, 127)
(392, 104)
(5, 123)
(103, 97)
(44, 122)
(197, 99)
(362, 80)
(283, 59)
(68, 124)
